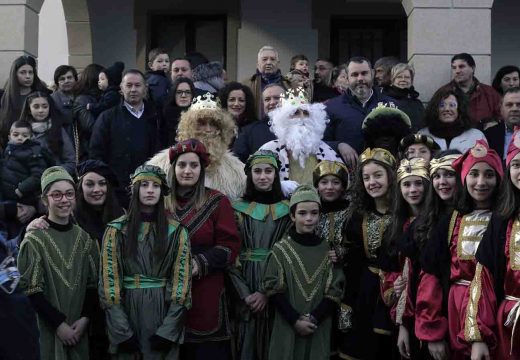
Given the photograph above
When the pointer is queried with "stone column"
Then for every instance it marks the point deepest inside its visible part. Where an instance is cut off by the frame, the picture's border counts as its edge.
(285, 25)
(438, 29)
(19, 29)
(79, 34)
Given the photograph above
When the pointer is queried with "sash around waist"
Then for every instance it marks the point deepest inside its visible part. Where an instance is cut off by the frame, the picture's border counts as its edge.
(138, 281)
(257, 254)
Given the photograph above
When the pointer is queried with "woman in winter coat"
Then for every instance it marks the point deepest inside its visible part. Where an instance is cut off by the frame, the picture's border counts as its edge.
(406, 97)
(23, 80)
(179, 100)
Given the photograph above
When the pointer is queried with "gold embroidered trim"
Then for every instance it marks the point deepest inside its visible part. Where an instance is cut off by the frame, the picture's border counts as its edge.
(471, 330)
(453, 220)
(471, 230)
(401, 303)
(514, 245)
(315, 279)
(373, 227)
(68, 264)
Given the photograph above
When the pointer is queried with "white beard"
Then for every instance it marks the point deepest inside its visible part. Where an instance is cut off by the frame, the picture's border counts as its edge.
(301, 136)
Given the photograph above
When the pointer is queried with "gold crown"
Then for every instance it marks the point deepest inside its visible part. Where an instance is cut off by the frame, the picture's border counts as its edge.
(443, 163)
(205, 102)
(378, 154)
(412, 167)
(294, 97)
(328, 167)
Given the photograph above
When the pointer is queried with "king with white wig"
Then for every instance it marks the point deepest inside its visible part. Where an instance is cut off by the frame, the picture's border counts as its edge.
(299, 127)
(207, 122)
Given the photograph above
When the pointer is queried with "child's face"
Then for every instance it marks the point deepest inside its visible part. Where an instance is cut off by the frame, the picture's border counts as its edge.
(160, 63)
(302, 65)
(19, 135)
(39, 109)
(306, 216)
(103, 81)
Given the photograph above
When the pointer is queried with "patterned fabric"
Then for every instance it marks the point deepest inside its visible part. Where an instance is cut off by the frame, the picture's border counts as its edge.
(325, 152)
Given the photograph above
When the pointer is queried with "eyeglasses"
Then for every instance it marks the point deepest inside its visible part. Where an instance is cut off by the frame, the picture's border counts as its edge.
(58, 195)
(448, 105)
(183, 92)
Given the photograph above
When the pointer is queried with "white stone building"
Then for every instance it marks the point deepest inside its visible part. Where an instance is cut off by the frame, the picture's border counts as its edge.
(425, 32)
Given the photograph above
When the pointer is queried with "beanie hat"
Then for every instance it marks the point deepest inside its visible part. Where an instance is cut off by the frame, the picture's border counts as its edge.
(513, 148)
(304, 193)
(187, 146)
(54, 174)
(204, 72)
(98, 167)
(151, 173)
(478, 153)
(114, 73)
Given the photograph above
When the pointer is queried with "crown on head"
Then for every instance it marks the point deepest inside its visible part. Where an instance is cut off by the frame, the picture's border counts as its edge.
(205, 102)
(294, 97)
(378, 154)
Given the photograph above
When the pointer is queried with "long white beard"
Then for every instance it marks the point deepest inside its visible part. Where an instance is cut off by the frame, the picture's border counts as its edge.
(301, 136)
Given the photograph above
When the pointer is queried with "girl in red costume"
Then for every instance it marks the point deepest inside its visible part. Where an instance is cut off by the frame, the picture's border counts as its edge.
(413, 182)
(448, 259)
(497, 277)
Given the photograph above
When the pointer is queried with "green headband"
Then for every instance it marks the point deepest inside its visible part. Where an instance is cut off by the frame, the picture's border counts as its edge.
(304, 193)
(263, 157)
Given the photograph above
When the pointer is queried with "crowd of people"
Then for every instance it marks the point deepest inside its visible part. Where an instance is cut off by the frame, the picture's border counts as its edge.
(174, 214)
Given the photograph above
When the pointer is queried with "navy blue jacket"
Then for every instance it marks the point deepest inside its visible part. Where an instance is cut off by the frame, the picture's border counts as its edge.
(251, 137)
(346, 116)
(159, 86)
(124, 142)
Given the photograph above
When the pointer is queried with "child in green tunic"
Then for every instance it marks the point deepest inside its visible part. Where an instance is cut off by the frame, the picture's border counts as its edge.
(59, 272)
(146, 274)
(303, 285)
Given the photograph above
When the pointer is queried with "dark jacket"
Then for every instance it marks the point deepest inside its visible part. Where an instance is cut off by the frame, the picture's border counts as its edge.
(346, 116)
(323, 92)
(408, 101)
(171, 115)
(251, 137)
(124, 142)
(110, 98)
(158, 87)
(64, 104)
(496, 137)
(22, 168)
(83, 124)
(257, 84)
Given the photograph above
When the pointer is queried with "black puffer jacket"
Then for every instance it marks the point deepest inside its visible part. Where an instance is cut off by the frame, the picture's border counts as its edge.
(22, 168)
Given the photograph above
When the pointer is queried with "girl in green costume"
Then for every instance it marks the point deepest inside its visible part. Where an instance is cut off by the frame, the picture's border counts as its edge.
(59, 272)
(303, 284)
(263, 218)
(146, 274)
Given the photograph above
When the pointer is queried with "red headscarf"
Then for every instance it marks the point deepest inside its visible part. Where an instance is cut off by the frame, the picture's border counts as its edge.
(187, 146)
(478, 153)
(513, 148)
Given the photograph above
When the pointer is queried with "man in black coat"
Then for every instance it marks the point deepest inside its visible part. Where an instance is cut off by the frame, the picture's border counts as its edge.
(499, 136)
(127, 135)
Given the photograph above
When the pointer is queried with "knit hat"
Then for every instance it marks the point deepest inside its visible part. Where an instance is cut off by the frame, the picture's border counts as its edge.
(114, 73)
(478, 153)
(98, 167)
(53, 174)
(151, 173)
(412, 167)
(187, 146)
(328, 167)
(513, 148)
(417, 139)
(204, 72)
(262, 157)
(304, 193)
